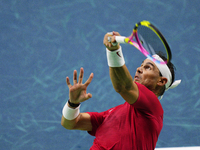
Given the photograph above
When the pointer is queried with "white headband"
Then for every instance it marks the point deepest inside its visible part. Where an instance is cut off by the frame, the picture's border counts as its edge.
(163, 68)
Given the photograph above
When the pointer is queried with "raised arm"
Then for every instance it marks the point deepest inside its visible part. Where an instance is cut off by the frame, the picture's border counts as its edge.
(71, 118)
(120, 76)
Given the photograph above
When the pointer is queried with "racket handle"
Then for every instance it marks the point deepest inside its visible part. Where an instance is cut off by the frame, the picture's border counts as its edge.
(119, 39)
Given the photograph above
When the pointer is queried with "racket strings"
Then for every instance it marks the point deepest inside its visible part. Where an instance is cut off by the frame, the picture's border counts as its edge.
(151, 42)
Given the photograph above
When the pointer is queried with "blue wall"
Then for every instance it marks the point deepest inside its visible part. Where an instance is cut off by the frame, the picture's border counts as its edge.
(43, 41)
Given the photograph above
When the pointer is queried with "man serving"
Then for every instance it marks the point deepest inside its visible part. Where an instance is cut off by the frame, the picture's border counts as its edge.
(134, 125)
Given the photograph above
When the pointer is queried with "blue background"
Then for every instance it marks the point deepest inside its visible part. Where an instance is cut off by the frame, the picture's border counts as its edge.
(43, 41)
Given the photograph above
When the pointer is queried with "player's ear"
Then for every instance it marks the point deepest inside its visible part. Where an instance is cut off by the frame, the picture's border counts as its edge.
(162, 81)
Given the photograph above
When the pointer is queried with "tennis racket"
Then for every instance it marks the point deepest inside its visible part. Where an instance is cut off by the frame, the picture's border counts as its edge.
(148, 40)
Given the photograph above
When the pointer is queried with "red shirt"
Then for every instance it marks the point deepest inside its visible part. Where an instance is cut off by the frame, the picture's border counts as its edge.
(129, 127)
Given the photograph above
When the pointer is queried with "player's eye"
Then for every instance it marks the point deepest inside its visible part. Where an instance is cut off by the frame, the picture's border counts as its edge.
(147, 67)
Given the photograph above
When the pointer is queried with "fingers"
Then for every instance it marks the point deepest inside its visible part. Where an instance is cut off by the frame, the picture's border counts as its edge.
(75, 77)
(105, 40)
(68, 82)
(111, 36)
(79, 90)
(89, 79)
(108, 43)
(116, 33)
(80, 80)
(81, 76)
(89, 95)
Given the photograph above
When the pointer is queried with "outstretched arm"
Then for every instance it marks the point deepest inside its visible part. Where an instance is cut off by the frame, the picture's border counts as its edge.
(120, 76)
(77, 94)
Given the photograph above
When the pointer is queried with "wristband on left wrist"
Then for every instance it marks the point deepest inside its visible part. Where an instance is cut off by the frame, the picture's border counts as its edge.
(70, 113)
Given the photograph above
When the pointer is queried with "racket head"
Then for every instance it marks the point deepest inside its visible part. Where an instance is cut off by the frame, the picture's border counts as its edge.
(151, 41)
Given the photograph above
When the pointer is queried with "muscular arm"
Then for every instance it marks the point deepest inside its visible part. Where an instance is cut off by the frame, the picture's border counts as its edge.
(123, 83)
(82, 122)
(121, 79)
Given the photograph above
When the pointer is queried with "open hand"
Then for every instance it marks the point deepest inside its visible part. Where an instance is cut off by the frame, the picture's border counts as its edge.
(78, 91)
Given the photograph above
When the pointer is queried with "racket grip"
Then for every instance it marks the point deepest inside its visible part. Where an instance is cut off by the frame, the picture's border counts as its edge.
(119, 39)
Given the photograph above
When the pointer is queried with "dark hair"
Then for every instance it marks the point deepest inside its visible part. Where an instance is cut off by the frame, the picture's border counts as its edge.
(172, 70)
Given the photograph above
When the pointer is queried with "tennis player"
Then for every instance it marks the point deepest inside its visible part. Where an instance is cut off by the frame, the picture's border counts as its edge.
(134, 125)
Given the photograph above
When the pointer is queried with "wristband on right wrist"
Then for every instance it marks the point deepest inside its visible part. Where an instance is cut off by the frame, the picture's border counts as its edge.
(115, 58)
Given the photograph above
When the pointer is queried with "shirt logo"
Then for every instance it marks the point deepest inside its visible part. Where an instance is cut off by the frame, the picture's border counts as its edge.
(118, 54)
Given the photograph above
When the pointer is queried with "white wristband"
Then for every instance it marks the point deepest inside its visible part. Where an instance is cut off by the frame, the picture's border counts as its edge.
(70, 113)
(115, 58)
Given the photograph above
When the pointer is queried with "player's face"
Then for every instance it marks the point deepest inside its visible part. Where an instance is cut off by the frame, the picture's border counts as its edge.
(147, 74)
